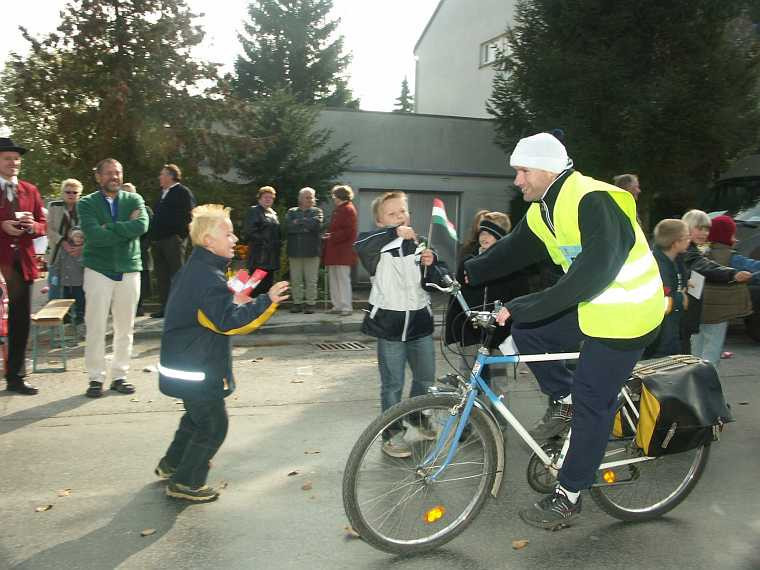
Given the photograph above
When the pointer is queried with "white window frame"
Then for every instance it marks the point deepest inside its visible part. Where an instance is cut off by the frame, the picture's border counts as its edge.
(489, 50)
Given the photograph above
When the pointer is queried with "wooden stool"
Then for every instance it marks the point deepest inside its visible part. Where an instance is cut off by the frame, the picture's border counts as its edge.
(51, 316)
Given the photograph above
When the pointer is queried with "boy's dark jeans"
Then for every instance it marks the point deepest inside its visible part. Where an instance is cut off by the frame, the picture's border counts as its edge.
(200, 434)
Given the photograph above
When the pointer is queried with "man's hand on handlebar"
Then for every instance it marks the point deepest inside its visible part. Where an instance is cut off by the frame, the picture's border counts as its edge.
(502, 316)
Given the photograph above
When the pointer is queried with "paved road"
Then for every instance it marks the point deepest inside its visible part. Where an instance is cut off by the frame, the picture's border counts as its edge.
(301, 409)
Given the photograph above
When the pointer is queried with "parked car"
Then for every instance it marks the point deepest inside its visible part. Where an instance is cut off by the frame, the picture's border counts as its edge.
(737, 194)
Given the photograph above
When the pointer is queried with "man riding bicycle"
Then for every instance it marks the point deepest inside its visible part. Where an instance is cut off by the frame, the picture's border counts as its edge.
(610, 298)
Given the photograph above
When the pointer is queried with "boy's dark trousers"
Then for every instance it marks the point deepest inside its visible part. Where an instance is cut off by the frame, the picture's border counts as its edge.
(594, 385)
(200, 434)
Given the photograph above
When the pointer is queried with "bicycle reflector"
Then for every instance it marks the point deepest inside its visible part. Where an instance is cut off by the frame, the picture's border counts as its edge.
(609, 476)
(435, 514)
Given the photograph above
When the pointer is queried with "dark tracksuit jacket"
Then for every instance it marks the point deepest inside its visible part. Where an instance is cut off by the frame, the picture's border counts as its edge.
(200, 317)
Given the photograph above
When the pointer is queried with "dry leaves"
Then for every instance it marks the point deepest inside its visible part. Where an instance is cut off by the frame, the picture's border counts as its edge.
(64, 492)
(293, 473)
(307, 486)
(43, 508)
(520, 544)
(296, 381)
(134, 400)
(311, 452)
(147, 531)
(222, 485)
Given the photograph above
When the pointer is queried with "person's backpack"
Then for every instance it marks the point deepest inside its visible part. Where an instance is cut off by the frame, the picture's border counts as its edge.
(681, 405)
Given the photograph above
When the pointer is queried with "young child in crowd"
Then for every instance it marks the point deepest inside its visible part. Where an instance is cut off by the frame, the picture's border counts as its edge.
(71, 273)
(671, 239)
(491, 227)
(399, 309)
(196, 358)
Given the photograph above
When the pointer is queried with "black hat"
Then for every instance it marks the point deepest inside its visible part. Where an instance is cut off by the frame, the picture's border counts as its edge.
(8, 145)
(494, 229)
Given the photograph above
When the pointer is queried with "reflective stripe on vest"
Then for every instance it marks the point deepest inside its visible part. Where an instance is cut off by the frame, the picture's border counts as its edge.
(632, 305)
(182, 374)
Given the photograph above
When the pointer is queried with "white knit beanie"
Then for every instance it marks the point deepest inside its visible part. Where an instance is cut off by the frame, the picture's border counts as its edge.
(542, 151)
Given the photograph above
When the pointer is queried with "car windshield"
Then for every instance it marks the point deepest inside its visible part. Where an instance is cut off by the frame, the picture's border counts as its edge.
(739, 200)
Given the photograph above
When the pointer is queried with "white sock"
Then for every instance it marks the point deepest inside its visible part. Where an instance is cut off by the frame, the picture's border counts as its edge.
(566, 400)
(571, 495)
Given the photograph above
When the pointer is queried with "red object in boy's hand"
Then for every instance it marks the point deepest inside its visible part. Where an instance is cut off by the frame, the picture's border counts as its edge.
(243, 284)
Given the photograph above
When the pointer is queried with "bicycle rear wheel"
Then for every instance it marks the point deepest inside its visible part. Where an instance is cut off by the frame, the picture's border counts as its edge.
(393, 503)
(647, 489)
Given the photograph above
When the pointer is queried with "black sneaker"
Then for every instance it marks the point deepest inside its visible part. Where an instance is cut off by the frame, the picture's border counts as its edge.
(204, 494)
(556, 420)
(163, 470)
(94, 390)
(553, 512)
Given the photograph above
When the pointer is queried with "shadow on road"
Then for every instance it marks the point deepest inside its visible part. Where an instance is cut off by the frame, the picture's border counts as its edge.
(112, 544)
(23, 418)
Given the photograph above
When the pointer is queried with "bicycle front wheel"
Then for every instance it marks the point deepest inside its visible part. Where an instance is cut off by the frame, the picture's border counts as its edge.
(396, 504)
(647, 489)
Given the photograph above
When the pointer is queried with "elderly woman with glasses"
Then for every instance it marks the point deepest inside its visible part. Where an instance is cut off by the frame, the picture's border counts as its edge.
(705, 336)
(65, 242)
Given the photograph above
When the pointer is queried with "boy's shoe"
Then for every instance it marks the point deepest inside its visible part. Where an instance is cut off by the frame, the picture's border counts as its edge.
(397, 446)
(204, 494)
(163, 470)
(555, 421)
(553, 512)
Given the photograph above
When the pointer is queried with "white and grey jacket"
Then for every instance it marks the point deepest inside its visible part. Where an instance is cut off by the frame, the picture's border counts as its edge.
(399, 305)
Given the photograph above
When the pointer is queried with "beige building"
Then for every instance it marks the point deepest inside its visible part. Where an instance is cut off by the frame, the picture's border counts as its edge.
(455, 56)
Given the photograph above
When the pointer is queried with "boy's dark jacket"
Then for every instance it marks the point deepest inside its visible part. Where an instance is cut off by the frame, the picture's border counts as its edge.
(196, 356)
(399, 307)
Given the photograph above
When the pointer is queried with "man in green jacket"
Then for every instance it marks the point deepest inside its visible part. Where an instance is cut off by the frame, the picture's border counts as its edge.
(112, 221)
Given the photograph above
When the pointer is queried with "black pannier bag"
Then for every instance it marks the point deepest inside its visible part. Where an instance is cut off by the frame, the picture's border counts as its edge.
(681, 404)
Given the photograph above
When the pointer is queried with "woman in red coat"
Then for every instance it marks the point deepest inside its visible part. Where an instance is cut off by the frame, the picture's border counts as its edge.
(339, 254)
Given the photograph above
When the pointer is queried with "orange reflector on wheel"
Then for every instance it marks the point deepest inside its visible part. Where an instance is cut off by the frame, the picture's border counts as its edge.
(609, 476)
(434, 514)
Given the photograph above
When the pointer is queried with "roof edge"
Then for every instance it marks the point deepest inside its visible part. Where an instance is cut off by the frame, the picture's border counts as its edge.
(427, 26)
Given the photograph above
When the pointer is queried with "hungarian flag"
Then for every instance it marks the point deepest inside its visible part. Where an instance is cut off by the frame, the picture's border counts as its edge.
(443, 234)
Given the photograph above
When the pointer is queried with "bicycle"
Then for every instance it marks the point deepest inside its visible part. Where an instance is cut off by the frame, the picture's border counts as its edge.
(412, 505)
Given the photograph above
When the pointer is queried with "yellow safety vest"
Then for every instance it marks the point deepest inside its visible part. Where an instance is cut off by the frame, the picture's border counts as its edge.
(633, 304)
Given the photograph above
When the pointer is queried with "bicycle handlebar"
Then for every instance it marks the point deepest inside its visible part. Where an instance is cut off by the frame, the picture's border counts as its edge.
(478, 318)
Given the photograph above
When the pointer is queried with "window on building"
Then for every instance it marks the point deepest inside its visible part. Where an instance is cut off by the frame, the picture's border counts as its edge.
(490, 50)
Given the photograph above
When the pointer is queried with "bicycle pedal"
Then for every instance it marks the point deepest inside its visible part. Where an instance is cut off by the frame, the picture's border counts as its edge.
(453, 380)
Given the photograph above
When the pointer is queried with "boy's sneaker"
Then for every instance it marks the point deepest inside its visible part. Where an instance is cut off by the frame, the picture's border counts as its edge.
(555, 421)
(204, 494)
(163, 470)
(553, 512)
(397, 446)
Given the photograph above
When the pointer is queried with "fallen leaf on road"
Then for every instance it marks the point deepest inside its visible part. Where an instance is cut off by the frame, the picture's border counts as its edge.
(135, 400)
(64, 492)
(520, 544)
(307, 486)
(351, 533)
(742, 403)
(43, 508)
(222, 485)
(258, 358)
(311, 452)
(296, 381)
(292, 473)
(150, 368)
(148, 532)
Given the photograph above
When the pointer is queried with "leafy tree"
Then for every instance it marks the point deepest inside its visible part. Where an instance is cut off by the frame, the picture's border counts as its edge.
(115, 79)
(288, 150)
(668, 90)
(405, 101)
(291, 44)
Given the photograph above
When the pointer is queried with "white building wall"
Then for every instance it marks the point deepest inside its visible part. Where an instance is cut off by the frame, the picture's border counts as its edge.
(449, 78)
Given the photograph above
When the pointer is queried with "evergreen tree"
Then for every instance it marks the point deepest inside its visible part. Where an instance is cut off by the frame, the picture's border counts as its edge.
(292, 44)
(405, 101)
(115, 79)
(289, 152)
(668, 90)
